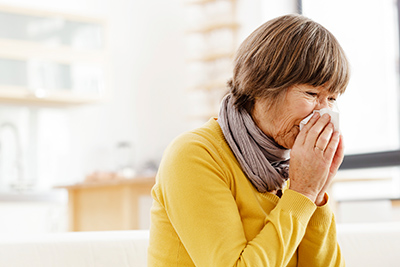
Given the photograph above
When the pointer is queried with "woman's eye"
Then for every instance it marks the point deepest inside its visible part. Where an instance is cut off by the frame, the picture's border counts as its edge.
(332, 98)
(311, 94)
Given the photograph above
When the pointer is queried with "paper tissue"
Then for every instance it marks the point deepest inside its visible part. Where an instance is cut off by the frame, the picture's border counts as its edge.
(334, 117)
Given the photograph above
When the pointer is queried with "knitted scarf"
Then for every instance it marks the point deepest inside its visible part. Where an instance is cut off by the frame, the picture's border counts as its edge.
(265, 163)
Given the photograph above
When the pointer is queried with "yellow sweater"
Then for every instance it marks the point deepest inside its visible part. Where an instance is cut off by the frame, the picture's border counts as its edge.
(207, 213)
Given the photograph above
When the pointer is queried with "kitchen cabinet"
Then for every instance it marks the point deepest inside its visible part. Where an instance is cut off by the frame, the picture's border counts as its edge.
(109, 205)
(49, 58)
(27, 213)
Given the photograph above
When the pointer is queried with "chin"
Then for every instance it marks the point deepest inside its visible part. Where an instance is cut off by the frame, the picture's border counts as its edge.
(286, 143)
(288, 140)
(290, 145)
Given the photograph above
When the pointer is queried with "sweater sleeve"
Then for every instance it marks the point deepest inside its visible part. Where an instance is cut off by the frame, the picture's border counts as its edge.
(319, 246)
(194, 190)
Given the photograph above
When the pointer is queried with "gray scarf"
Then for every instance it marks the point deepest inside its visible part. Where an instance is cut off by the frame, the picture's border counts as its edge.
(265, 163)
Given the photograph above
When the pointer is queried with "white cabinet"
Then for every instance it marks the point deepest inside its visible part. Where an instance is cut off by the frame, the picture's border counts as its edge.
(51, 58)
(33, 213)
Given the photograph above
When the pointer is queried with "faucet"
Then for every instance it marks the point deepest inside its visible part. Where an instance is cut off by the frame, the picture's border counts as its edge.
(18, 184)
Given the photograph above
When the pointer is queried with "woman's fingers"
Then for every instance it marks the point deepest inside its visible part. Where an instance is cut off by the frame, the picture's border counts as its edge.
(338, 156)
(318, 134)
(332, 146)
(316, 130)
(336, 161)
(324, 138)
(301, 138)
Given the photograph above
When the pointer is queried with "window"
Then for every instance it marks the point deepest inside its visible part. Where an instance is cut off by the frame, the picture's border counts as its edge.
(369, 33)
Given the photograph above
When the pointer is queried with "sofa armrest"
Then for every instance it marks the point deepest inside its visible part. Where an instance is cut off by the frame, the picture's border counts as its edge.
(370, 244)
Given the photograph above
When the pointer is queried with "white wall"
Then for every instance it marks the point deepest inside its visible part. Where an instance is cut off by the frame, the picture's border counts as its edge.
(272, 8)
(146, 109)
(148, 106)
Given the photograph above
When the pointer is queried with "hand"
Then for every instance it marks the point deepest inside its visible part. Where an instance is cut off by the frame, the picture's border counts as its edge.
(315, 157)
(336, 162)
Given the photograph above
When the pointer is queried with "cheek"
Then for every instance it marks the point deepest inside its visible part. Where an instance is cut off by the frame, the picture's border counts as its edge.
(290, 115)
(301, 111)
(290, 119)
(292, 135)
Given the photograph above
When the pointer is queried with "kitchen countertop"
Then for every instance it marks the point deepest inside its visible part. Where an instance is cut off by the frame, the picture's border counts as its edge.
(111, 182)
(34, 196)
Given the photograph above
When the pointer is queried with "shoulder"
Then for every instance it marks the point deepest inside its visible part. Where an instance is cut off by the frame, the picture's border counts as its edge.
(196, 154)
(206, 139)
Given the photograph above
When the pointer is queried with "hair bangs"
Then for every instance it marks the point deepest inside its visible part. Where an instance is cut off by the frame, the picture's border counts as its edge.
(327, 65)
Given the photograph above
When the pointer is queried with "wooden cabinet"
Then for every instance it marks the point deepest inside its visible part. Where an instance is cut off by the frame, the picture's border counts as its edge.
(111, 205)
(50, 58)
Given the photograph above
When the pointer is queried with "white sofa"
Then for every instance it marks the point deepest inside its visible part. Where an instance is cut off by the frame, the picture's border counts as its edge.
(370, 244)
(76, 249)
(363, 245)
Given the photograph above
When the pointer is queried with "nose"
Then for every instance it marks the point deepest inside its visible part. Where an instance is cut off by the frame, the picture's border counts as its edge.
(323, 103)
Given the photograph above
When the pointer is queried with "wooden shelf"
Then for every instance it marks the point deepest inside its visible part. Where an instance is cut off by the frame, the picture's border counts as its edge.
(209, 86)
(212, 57)
(25, 50)
(51, 14)
(21, 95)
(214, 27)
(205, 2)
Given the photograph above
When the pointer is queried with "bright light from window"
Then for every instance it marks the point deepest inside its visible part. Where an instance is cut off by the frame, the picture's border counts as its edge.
(368, 32)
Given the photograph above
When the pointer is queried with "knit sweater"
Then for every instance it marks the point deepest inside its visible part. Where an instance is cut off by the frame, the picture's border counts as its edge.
(207, 213)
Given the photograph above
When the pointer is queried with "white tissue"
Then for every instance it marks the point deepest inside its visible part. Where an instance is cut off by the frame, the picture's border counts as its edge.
(334, 118)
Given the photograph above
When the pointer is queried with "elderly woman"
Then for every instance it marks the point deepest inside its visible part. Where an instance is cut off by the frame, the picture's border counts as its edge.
(226, 194)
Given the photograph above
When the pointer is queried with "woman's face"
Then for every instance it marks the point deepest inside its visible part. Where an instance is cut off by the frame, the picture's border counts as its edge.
(282, 121)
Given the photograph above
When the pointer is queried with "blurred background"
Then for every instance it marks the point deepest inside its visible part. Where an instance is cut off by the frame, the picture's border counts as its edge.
(92, 92)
